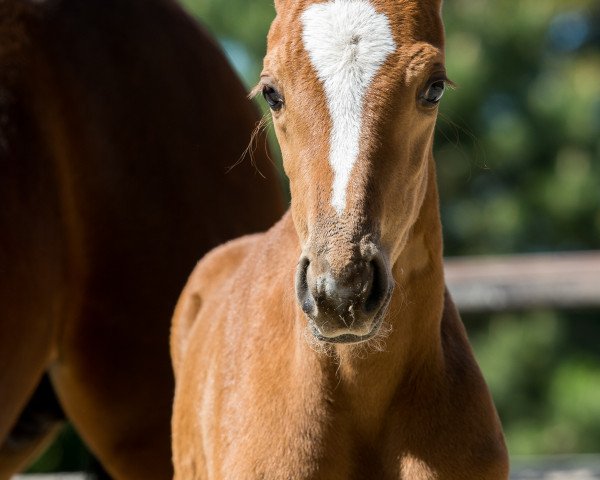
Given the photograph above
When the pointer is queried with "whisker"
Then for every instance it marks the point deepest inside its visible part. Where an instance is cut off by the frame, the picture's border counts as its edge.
(250, 149)
(458, 129)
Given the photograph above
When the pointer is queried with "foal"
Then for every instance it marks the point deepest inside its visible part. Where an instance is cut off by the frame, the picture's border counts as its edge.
(328, 347)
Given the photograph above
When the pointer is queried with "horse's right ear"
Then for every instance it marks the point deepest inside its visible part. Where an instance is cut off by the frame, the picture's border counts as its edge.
(280, 5)
(437, 4)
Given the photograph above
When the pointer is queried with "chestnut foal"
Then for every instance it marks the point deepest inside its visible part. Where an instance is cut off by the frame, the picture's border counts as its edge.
(328, 347)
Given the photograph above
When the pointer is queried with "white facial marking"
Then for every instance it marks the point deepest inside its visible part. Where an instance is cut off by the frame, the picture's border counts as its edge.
(347, 42)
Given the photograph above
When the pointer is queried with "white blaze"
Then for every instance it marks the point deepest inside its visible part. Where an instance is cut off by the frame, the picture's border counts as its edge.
(347, 42)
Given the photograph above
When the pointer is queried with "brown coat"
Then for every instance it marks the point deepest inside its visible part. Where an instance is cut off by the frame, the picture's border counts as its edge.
(118, 122)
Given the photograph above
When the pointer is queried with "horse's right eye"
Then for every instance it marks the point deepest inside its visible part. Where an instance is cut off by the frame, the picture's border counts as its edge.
(273, 97)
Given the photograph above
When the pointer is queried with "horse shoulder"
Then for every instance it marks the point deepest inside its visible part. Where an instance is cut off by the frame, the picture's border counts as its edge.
(463, 439)
(471, 415)
(207, 280)
(226, 277)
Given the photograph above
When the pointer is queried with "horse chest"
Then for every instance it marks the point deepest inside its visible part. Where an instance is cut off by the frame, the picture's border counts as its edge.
(298, 452)
(294, 432)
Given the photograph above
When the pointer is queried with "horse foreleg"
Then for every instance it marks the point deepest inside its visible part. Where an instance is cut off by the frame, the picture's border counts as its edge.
(36, 427)
(25, 351)
(115, 383)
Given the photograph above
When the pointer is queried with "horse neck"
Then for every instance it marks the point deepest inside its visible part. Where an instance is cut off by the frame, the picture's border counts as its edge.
(367, 377)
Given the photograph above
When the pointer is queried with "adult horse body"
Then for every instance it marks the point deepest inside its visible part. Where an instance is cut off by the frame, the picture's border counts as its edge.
(118, 121)
(328, 347)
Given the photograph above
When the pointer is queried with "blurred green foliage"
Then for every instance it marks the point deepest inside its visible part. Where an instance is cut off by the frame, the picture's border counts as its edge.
(544, 371)
(518, 150)
(66, 454)
(527, 176)
(518, 155)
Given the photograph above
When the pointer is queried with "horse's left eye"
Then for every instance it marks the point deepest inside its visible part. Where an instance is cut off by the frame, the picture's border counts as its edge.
(273, 97)
(434, 93)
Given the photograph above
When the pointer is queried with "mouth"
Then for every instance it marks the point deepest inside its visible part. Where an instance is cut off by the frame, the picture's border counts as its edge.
(348, 305)
(349, 338)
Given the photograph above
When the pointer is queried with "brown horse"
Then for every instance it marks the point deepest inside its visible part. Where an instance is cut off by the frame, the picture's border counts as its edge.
(328, 347)
(118, 121)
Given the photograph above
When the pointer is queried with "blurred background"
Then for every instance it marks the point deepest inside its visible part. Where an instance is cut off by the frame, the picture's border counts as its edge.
(518, 155)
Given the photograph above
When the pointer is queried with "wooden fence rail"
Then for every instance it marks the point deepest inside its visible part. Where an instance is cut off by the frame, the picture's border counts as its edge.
(519, 282)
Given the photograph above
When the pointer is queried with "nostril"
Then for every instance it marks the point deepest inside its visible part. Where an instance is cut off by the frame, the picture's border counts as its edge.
(379, 285)
(306, 300)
